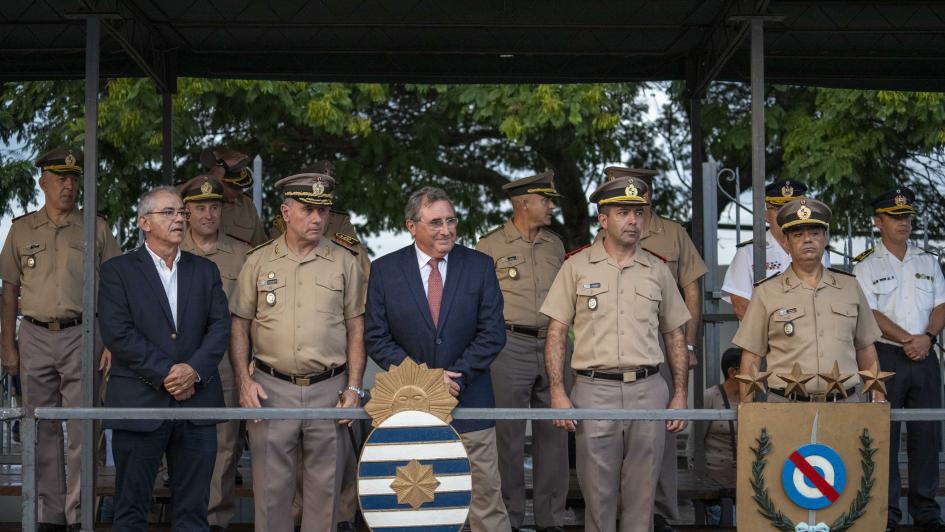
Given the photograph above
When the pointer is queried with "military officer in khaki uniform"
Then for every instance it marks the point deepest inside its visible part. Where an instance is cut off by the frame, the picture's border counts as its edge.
(300, 300)
(239, 217)
(42, 263)
(203, 198)
(669, 241)
(619, 301)
(813, 316)
(527, 257)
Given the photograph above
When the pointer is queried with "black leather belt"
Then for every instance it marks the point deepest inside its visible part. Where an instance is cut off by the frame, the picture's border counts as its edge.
(813, 397)
(301, 380)
(626, 376)
(56, 325)
(537, 332)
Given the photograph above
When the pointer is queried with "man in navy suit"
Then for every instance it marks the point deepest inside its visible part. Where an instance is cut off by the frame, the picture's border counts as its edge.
(440, 303)
(163, 315)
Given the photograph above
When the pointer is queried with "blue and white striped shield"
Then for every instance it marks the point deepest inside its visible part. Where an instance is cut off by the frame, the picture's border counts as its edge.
(414, 476)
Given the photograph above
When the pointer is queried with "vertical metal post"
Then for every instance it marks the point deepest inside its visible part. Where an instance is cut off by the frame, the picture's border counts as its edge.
(28, 454)
(711, 293)
(92, 42)
(758, 145)
(167, 151)
(257, 184)
(698, 221)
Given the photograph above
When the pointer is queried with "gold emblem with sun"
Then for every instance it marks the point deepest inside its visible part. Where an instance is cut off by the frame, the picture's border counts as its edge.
(410, 386)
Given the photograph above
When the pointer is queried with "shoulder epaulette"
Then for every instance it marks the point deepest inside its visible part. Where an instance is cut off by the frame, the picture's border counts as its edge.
(863, 255)
(844, 272)
(102, 215)
(490, 231)
(930, 251)
(264, 244)
(247, 242)
(745, 243)
(573, 252)
(348, 242)
(655, 254)
(22, 216)
(768, 278)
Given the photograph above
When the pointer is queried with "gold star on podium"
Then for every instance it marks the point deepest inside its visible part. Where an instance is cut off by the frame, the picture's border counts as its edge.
(873, 378)
(796, 381)
(835, 380)
(755, 381)
(415, 484)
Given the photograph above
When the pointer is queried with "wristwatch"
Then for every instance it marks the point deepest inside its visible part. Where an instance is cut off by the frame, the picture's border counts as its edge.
(362, 393)
(932, 337)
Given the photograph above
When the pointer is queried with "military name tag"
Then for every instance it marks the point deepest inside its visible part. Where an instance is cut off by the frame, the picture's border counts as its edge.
(592, 303)
(271, 298)
(31, 262)
(513, 273)
(789, 328)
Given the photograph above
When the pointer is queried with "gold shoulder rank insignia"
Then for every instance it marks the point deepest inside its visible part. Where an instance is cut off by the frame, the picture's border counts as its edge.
(264, 244)
(863, 255)
(490, 231)
(347, 242)
(22, 216)
(768, 278)
(843, 272)
(745, 243)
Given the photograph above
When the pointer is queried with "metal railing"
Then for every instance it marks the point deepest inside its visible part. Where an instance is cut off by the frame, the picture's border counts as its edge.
(28, 424)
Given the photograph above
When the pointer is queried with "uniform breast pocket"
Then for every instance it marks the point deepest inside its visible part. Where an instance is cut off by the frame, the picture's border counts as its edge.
(33, 256)
(590, 298)
(924, 292)
(646, 304)
(786, 325)
(271, 296)
(844, 320)
(509, 269)
(330, 294)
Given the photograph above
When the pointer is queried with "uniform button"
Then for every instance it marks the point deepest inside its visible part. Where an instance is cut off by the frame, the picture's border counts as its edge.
(299, 348)
(299, 305)
(173, 336)
(439, 341)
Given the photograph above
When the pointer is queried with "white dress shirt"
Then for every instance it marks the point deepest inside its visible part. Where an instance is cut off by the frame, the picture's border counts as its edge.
(424, 261)
(739, 278)
(905, 291)
(168, 279)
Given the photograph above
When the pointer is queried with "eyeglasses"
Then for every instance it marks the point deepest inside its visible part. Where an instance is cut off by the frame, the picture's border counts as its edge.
(171, 213)
(438, 223)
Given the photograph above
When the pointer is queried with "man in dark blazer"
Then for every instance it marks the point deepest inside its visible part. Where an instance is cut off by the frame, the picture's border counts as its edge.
(164, 316)
(440, 303)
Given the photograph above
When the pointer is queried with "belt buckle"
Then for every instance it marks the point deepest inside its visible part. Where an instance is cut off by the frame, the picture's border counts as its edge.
(53, 326)
(818, 397)
(303, 381)
(629, 376)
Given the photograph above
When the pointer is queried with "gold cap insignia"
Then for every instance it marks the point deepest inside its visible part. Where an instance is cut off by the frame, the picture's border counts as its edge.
(900, 199)
(318, 188)
(631, 190)
(206, 187)
(244, 173)
(804, 212)
(787, 191)
(70, 160)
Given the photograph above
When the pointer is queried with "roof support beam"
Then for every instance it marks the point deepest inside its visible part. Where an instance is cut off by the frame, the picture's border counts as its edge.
(723, 40)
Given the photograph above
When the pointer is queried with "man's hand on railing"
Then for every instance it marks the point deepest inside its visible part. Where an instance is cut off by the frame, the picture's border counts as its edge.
(250, 393)
(562, 401)
(348, 399)
(677, 403)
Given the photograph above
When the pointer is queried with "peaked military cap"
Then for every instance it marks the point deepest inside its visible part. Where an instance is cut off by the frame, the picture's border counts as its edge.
(621, 191)
(783, 191)
(543, 183)
(310, 188)
(613, 172)
(229, 165)
(895, 201)
(803, 212)
(62, 161)
(201, 188)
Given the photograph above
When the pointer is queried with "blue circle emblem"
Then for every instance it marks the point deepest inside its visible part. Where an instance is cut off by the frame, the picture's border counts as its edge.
(813, 476)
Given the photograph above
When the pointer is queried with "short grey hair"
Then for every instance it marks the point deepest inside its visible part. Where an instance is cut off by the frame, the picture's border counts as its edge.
(421, 198)
(146, 203)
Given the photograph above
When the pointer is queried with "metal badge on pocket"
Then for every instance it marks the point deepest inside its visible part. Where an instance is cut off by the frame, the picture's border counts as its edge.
(789, 328)
(31, 262)
(513, 273)
(271, 298)
(592, 303)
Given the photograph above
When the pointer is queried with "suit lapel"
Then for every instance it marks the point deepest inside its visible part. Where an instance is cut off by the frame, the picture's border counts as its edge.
(415, 284)
(454, 274)
(185, 276)
(151, 276)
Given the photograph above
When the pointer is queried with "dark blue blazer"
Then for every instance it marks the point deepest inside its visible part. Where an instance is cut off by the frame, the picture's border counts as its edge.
(137, 326)
(471, 329)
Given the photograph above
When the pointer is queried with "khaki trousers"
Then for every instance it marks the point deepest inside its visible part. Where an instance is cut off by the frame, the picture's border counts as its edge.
(667, 503)
(618, 462)
(229, 448)
(276, 446)
(486, 510)
(51, 375)
(520, 381)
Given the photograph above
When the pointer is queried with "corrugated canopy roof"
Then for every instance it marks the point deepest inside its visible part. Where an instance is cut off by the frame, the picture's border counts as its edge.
(877, 44)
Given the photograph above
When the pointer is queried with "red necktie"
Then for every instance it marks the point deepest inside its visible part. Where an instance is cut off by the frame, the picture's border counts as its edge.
(435, 291)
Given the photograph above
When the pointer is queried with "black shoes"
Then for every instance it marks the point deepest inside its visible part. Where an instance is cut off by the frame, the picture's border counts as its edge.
(661, 525)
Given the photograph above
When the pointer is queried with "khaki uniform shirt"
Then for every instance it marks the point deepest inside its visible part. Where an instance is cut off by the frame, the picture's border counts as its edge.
(240, 219)
(46, 262)
(338, 228)
(618, 314)
(792, 322)
(670, 241)
(298, 306)
(535, 265)
(228, 254)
